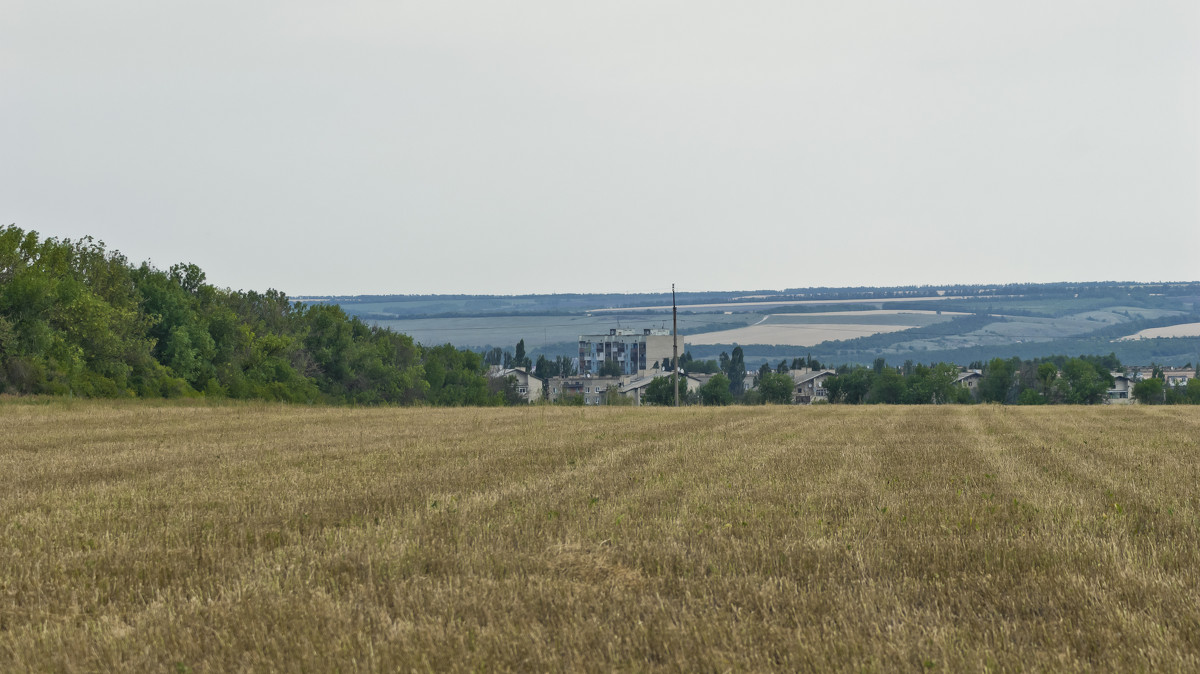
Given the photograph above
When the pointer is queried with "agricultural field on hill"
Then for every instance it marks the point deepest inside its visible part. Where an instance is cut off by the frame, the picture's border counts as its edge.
(545, 334)
(956, 324)
(254, 537)
(1181, 330)
(813, 328)
(793, 334)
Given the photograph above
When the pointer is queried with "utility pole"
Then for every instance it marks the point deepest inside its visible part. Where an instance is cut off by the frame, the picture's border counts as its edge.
(675, 344)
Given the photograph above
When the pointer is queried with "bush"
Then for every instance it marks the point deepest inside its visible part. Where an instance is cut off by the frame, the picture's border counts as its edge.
(716, 391)
(1148, 391)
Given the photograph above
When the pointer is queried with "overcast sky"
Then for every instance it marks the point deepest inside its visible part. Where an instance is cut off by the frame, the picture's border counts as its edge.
(554, 146)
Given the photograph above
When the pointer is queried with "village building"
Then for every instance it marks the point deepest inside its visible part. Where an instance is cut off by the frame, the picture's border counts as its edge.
(635, 388)
(1122, 389)
(587, 386)
(1171, 376)
(969, 380)
(528, 385)
(633, 351)
(1178, 376)
(810, 385)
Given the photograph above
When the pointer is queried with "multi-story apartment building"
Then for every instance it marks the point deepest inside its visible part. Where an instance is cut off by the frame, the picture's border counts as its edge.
(632, 350)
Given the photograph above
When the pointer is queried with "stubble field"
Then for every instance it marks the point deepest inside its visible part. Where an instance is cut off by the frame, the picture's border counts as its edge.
(216, 538)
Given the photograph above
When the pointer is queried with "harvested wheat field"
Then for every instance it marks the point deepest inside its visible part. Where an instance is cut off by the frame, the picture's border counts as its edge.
(219, 538)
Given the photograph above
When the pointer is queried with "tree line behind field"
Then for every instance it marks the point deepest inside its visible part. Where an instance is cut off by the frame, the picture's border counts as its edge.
(77, 319)
(1084, 380)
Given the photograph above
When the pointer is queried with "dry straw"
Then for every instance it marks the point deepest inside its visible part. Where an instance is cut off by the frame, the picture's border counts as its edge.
(218, 538)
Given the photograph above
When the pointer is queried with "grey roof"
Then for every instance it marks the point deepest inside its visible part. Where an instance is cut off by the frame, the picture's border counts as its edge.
(812, 375)
(645, 381)
(515, 370)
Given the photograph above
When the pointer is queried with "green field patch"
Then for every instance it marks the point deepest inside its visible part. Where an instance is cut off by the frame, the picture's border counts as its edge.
(543, 332)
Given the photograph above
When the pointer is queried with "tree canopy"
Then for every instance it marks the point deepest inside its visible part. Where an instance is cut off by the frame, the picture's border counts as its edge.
(78, 319)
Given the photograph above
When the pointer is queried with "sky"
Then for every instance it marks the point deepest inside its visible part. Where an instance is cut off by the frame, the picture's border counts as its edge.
(398, 147)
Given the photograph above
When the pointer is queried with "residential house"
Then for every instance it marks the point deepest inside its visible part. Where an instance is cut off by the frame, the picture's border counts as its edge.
(1178, 376)
(810, 385)
(1171, 376)
(969, 380)
(636, 388)
(528, 385)
(1122, 389)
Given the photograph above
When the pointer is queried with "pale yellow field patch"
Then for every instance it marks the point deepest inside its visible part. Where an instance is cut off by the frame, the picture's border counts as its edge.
(794, 334)
(878, 312)
(1181, 330)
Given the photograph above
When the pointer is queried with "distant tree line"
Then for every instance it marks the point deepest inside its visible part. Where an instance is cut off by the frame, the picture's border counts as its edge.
(77, 319)
(1084, 380)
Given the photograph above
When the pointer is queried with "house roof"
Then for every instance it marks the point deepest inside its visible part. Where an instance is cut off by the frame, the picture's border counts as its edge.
(809, 376)
(645, 381)
(514, 371)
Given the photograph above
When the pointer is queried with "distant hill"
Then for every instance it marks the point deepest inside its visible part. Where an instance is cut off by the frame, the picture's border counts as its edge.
(953, 323)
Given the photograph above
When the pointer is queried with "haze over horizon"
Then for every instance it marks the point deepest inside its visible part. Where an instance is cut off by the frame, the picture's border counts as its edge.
(539, 147)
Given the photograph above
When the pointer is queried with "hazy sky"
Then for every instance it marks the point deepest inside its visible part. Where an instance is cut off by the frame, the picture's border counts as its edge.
(510, 147)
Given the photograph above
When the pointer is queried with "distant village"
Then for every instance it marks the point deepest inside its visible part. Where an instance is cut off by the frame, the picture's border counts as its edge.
(620, 366)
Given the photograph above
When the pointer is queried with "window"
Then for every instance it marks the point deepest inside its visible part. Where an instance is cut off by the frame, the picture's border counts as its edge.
(522, 389)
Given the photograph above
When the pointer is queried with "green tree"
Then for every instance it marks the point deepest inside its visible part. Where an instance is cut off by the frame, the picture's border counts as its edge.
(887, 387)
(661, 391)
(776, 388)
(1148, 391)
(933, 384)
(519, 358)
(701, 366)
(1031, 396)
(763, 370)
(997, 380)
(735, 370)
(1047, 374)
(850, 387)
(715, 391)
(1085, 385)
(507, 388)
(456, 377)
(1193, 391)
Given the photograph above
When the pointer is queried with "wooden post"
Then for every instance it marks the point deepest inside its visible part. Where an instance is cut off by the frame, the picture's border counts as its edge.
(675, 344)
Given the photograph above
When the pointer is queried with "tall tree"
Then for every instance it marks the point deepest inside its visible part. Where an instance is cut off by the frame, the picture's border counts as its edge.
(997, 380)
(519, 358)
(735, 369)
